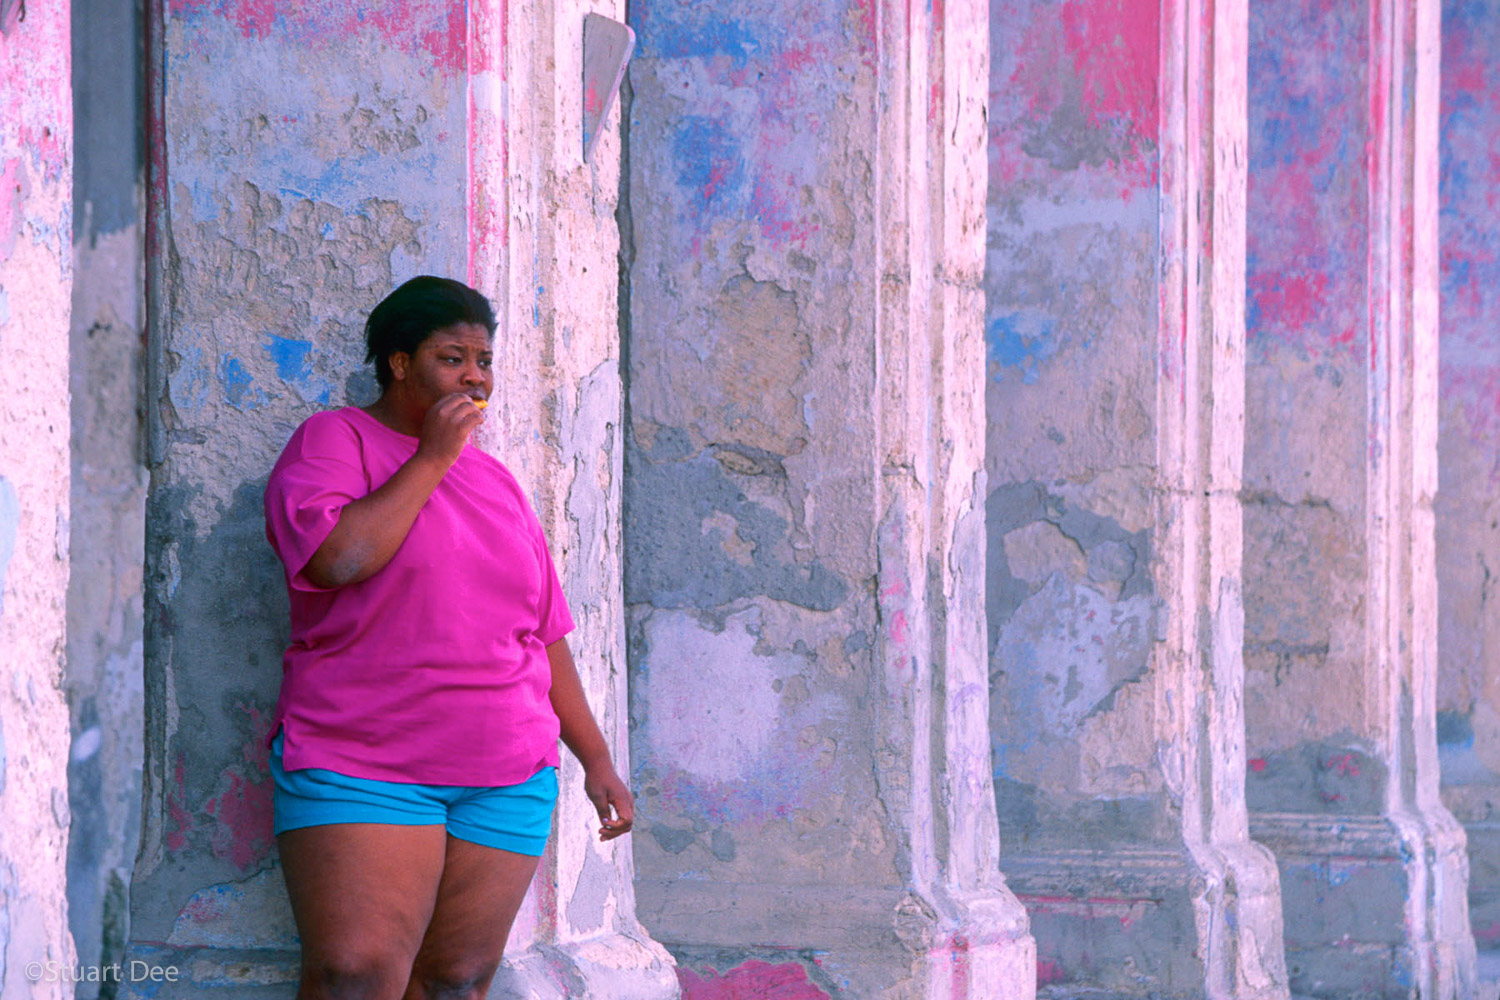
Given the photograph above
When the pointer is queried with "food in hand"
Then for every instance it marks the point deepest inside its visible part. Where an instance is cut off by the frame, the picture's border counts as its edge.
(481, 403)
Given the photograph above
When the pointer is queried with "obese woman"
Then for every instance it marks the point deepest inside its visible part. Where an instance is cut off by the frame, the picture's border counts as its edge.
(414, 746)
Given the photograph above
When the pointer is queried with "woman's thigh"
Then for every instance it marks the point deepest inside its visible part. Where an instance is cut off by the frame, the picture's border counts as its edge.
(363, 895)
(480, 891)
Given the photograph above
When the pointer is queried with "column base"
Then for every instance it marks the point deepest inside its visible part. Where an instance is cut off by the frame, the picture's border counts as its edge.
(619, 966)
(885, 943)
(1157, 923)
(1375, 906)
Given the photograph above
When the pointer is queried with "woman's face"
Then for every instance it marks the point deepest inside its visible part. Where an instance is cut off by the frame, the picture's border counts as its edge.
(454, 359)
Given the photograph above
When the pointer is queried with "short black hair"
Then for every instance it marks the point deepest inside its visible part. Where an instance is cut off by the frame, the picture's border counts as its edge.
(417, 310)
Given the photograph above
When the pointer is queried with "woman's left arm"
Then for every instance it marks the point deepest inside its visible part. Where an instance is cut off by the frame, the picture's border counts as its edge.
(609, 794)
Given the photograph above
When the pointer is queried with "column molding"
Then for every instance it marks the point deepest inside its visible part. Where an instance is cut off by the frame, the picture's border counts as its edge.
(543, 241)
(962, 922)
(1201, 417)
(1401, 638)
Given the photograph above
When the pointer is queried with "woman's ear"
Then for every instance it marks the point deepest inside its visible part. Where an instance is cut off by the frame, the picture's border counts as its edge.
(399, 362)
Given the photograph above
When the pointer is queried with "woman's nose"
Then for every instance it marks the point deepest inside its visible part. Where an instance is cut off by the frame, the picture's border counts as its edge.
(473, 374)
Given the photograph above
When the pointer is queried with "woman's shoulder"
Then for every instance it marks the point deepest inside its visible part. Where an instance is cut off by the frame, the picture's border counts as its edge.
(325, 434)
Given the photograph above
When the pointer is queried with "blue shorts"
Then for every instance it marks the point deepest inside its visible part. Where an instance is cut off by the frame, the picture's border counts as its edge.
(514, 818)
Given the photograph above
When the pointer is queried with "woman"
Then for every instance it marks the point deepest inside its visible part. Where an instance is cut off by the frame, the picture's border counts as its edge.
(428, 678)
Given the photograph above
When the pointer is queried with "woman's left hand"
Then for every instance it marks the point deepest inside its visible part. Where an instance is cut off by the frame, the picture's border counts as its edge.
(612, 799)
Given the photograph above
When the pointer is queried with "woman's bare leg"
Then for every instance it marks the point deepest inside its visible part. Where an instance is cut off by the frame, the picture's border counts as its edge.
(477, 900)
(363, 895)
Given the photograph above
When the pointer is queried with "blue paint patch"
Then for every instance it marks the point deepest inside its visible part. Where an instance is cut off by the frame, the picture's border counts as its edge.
(1022, 341)
(710, 163)
(188, 385)
(293, 357)
(10, 520)
(205, 205)
(694, 31)
(4, 307)
(239, 385)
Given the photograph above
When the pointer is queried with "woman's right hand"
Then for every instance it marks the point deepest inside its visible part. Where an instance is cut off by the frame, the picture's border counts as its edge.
(447, 426)
(372, 528)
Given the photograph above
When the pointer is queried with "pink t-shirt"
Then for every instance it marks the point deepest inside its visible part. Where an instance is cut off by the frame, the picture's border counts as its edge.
(434, 670)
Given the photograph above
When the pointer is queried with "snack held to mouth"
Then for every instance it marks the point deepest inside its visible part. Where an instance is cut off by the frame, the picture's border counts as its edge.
(481, 403)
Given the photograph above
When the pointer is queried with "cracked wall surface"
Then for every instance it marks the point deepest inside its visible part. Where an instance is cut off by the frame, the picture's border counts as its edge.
(1308, 351)
(36, 276)
(784, 574)
(1070, 291)
(748, 562)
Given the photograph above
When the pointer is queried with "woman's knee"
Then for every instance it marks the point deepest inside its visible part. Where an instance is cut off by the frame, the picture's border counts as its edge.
(453, 979)
(353, 975)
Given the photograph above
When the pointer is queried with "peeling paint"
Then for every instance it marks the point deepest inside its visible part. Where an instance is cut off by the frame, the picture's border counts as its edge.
(752, 980)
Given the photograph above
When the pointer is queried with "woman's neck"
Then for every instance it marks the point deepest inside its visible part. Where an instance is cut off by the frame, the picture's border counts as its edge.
(389, 410)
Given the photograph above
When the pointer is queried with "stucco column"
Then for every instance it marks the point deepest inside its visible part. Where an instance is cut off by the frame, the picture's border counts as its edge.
(1117, 413)
(300, 168)
(1345, 789)
(36, 205)
(961, 920)
(544, 246)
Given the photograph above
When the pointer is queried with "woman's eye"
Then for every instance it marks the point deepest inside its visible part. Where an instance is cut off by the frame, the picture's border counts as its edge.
(486, 363)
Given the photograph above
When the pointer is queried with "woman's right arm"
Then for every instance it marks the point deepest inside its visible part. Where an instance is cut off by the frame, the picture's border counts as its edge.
(372, 528)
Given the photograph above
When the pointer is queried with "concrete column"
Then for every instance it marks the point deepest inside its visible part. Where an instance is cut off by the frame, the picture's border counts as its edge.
(1343, 450)
(552, 261)
(1116, 419)
(804, 540)
(1467, 510)
(300, 168)
(36, 205)
(104, 653)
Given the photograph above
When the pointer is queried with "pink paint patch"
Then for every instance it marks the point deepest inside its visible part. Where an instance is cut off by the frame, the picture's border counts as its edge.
(898, 628)
(411, 26)
(752, 980)
(177, 811)
(1346, 765)
(1114, 45)
(1291, 300)
(242, 833)
(1489, 932)
(242, 813)
(1048, 972)
(1257, 764)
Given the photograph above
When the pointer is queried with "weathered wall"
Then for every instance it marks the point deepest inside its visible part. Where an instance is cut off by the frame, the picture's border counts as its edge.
(1306, 386)
(36, 161)
(279, 216)
(107, 527)
(747, 535)
(1468, 542)
(1071, 313)
(804, 332)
